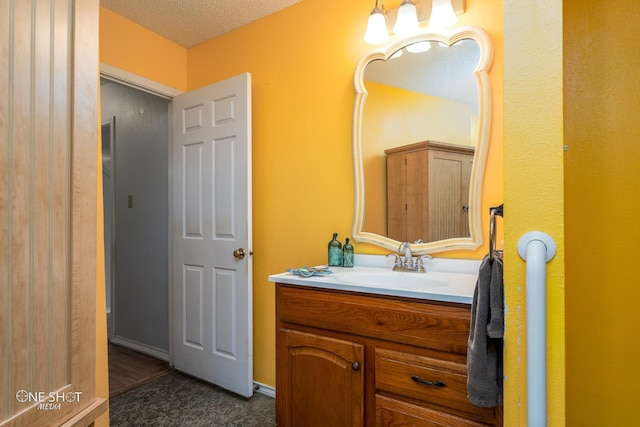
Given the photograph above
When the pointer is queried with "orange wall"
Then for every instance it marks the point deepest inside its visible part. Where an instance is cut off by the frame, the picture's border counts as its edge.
(302, 61)
(602, 172)
(130, 47)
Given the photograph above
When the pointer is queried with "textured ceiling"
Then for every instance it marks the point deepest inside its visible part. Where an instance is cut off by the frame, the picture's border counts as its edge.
(191, 22)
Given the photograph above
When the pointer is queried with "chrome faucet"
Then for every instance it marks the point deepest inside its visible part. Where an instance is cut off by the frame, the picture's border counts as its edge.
(409, 264)
(408, 258)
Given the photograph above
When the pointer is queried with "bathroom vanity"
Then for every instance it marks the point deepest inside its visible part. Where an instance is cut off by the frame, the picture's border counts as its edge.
(367, 346)
(352, 355)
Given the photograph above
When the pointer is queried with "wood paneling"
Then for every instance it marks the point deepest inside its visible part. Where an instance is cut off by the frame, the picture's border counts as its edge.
(48, 139)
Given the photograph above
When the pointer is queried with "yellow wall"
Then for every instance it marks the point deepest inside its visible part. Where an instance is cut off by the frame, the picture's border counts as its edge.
(602, 172)
(416, 117)
(533, 170)
(302, 61)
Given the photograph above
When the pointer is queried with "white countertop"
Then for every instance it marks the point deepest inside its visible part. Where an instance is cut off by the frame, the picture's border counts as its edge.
(445, 280)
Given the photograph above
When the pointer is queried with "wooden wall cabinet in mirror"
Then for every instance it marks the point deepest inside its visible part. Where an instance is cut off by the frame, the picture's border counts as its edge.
(427, 87)
(428, 191)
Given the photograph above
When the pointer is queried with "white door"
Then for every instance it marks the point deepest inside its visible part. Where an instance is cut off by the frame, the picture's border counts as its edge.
(212, 289)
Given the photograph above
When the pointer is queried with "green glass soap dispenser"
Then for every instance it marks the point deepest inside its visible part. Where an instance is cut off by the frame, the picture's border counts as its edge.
(347, 254)
(335, 252)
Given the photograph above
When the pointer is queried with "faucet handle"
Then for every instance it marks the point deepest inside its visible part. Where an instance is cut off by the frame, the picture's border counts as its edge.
(397, 261)
(420, 258)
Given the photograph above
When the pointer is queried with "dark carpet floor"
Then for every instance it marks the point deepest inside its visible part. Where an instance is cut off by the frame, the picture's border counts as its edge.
(180, 400)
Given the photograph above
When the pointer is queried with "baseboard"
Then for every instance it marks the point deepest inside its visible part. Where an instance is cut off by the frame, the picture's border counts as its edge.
(142, 348)
(264, 389)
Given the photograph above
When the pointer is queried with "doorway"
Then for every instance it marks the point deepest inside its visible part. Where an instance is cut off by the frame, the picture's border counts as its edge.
(136, 200)
(229, 109)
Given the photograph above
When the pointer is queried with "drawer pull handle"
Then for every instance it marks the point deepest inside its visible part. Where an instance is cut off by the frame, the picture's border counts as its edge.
(427, 382)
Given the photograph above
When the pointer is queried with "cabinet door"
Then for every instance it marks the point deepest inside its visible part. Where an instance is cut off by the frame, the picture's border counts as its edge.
(407, 198)
(397, 197)
(320, 381)
(417, 206)
(449, 175)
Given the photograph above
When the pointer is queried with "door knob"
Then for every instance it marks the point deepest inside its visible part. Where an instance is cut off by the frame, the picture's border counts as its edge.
(239, 253)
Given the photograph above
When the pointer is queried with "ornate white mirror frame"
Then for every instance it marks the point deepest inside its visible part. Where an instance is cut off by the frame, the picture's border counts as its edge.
(484, 120)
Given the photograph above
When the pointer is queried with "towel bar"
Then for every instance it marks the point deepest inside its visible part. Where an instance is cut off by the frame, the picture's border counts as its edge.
(495, 212)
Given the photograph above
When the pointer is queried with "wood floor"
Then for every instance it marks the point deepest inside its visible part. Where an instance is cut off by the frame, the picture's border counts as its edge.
(129, 369)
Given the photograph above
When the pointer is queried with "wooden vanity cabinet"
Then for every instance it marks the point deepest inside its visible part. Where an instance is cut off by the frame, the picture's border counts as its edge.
(352, 359)
(428, 191)
(323, 381)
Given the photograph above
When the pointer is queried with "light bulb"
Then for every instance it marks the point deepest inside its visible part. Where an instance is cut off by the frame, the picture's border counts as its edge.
(407, 20)
(442, 14)
(376, 27)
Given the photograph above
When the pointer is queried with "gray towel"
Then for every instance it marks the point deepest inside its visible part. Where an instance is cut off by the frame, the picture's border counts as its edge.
(484, 355)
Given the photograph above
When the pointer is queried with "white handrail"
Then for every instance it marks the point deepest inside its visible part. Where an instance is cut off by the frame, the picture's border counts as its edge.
(536, 248)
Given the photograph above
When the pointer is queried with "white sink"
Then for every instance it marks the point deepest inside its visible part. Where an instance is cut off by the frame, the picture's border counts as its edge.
(394, 279)
(452, 285)
(439, 285)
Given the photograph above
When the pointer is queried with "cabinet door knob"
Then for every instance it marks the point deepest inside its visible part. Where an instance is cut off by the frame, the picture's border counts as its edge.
(428, 382)
(355, 366)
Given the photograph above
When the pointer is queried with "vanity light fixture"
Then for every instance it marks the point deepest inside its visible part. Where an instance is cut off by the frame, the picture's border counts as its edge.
(409, 16)
(407, 20)
(442, 14)
(377, 26)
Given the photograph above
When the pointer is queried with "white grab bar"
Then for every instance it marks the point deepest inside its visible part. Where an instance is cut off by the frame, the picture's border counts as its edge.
(536, 248)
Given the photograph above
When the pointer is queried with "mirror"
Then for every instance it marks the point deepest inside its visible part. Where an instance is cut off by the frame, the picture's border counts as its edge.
(420, 134)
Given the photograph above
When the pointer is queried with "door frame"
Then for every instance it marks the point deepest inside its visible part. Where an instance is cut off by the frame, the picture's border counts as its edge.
(111, 217)
(146, 85)
(138, 82)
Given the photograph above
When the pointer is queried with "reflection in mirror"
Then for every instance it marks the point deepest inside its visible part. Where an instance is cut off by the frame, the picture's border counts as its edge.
(420, 141)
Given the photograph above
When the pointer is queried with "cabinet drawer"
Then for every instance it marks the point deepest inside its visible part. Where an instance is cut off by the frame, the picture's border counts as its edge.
(443, 327)
(438, 382)
(391, 412)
